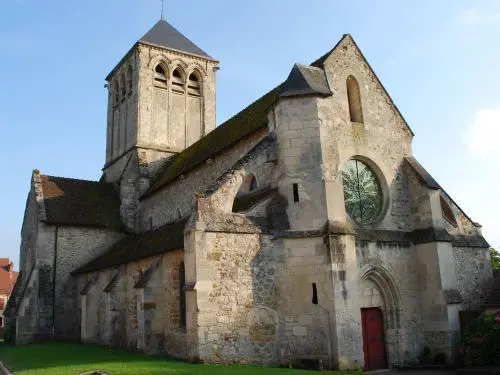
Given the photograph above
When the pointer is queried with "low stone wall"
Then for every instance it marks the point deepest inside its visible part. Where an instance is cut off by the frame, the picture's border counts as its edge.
(25, 329)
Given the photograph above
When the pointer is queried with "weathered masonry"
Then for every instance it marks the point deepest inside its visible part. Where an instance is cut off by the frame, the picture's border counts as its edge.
(301, 229)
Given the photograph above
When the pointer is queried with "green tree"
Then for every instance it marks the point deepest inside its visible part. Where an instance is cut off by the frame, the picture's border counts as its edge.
(495, 259)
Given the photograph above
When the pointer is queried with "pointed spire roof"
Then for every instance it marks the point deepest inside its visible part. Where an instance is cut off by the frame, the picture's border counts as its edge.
(165, 35)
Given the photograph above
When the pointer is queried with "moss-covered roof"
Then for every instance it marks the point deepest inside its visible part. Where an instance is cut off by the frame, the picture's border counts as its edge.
(139, 246)
(249, 120)
(71, 201)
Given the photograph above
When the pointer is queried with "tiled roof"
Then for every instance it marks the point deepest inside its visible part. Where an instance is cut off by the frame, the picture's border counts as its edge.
(139, 246)
(165, 35)
(8, 276)
(251, 119)
(79, 202)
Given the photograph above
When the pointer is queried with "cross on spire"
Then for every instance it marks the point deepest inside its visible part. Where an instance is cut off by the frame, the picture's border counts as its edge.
(161, 16)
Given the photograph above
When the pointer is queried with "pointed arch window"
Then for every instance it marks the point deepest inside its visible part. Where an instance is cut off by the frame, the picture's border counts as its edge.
(116, 93)
(354, 98)
(178, 81)
(194, 84)
(129, 80)
(182, 300)
(253, 184)
(123, 87)
(160, 77)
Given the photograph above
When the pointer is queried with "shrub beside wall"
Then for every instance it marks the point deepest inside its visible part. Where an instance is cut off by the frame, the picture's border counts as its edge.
(482, 341)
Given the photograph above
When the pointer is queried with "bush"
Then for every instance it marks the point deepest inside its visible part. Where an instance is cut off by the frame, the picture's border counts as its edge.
(482, 341)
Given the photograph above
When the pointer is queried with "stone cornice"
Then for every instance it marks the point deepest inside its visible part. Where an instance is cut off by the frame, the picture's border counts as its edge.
(416, 237)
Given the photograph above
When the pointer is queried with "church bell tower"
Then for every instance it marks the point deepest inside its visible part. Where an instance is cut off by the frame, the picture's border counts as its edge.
(161, 99)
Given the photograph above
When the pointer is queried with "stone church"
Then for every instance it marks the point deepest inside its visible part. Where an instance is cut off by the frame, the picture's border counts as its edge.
(301, 229)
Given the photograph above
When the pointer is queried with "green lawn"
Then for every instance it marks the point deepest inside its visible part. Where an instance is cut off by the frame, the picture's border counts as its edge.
(71, 359)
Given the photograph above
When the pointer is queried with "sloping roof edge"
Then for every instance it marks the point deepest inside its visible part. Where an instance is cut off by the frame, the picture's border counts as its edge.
(135, 247)
(422, 173)
(432, 184)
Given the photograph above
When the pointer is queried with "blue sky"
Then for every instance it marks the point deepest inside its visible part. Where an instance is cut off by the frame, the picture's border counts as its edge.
(439, 60)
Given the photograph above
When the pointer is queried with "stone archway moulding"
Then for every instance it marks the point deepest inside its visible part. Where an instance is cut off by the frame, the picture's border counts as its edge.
(386, 284)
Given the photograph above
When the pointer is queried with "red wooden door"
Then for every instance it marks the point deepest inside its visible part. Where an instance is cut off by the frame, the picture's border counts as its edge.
(373, 339)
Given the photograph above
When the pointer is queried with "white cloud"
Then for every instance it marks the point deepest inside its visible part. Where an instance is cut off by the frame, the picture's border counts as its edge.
(482, 135)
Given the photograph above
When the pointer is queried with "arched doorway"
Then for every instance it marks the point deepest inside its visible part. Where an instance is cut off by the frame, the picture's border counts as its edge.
(379, 302)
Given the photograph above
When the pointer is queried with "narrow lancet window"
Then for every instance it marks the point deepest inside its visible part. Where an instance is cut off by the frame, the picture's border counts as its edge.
(194, 87)
(123, 87)
(160, 78)
(116, 93)
(354, 98)
(177, 82)
(129, 80)
(253, 184)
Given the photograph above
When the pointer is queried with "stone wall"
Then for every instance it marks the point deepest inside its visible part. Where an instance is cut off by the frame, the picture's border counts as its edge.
(237, 295)
(148, 133)
(307, 329)
(300, 162)
(45, 251)
(27, 257)
(76, 246)
(474, 274)
(389, 279)
(382, 140)
(25, 320)
(118, 313)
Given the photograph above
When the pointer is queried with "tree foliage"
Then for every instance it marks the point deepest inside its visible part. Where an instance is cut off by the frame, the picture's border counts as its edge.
(495, 259)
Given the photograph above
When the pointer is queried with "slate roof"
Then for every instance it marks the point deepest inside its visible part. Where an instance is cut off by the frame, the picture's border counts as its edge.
(305, 80)
(139, 246)
(246, 122)
(165, 35)
(80, 202)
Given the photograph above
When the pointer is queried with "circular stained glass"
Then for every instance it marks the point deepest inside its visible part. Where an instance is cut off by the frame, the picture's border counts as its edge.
(362, 192)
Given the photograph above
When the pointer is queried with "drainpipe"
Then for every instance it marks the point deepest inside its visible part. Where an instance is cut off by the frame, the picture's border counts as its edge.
(54, 285)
